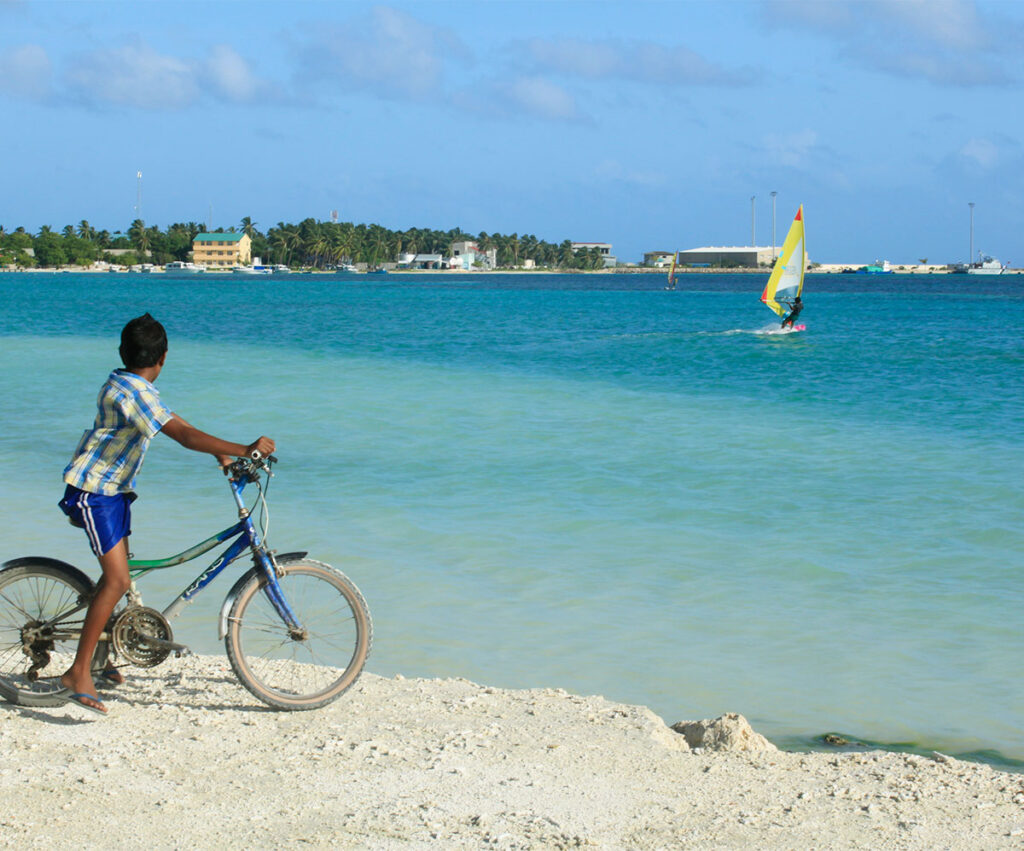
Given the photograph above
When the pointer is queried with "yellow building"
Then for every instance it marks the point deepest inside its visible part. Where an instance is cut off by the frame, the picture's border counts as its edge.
(222, 249)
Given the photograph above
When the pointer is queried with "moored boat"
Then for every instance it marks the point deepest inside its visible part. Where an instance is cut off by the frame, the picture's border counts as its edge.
(986, 266)
(178, 267)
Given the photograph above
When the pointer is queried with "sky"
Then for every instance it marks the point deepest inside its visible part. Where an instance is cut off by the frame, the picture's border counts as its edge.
(649, 125)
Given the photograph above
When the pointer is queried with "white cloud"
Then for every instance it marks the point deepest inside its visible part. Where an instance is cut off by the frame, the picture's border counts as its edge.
(981, 152)
(26, 72)
(792, 149)
(946, 42)
(137, 76)
(943, 69)
(539, 97)
(133, 76)
(386, 52)
(638, 61)
(230, 74)
(947, 23)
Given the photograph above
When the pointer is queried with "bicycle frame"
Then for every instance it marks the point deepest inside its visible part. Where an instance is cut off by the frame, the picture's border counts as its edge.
(247, 538)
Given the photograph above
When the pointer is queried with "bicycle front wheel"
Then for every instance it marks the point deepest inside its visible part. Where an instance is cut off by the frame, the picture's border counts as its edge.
(42, 609)
(306, 668)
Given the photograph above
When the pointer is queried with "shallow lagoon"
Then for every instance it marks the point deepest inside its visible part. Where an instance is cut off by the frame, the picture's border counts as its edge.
(590, 482)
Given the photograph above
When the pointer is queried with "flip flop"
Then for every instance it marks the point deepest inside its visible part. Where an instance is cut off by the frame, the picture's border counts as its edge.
(112, 676)
(78, 696)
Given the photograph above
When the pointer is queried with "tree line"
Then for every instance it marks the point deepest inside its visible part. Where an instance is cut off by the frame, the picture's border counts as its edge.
(310, 244)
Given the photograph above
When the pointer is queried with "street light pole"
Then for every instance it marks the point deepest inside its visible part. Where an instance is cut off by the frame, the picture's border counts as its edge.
(970, 257)
(753, 241)
(774, 193)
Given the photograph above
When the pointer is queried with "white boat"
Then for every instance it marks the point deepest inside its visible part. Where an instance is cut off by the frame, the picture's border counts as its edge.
(280, 269)
(250, 270)
(346, 267)
(178, 267)
(986, 266)
(143, 268)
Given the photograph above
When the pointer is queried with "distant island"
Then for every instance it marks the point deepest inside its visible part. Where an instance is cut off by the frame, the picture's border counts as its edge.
(309, 244)
(328, 246)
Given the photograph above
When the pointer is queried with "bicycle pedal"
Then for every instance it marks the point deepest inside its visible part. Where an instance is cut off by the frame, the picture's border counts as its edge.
(179, 649)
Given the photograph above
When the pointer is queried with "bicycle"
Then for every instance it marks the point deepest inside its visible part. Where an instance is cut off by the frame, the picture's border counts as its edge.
(297, 631)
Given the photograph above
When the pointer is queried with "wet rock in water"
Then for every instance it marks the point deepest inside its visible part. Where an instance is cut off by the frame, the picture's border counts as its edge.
(729, 732)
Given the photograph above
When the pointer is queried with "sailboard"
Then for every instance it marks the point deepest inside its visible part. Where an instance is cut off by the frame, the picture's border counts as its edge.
(672, 272)
(787, 278)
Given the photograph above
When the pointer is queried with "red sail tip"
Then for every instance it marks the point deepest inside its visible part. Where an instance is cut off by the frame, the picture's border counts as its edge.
(799, 215)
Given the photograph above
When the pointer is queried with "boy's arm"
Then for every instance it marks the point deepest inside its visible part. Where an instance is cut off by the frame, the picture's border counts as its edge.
(192, 438)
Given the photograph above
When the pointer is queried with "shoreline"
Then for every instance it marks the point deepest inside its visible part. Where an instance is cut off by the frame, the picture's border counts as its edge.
(412, 763)
(822, 269)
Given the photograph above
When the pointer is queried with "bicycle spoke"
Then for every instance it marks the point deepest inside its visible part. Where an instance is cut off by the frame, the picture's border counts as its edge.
(40, 621)
(304, 669)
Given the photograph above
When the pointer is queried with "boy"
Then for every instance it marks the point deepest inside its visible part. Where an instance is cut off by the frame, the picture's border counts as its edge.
(794, 311)
(101, 478)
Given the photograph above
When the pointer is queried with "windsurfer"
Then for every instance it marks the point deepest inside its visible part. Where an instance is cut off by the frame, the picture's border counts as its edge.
(795, 307)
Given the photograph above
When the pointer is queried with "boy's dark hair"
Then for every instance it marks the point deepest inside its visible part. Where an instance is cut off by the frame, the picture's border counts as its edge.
(143, 342)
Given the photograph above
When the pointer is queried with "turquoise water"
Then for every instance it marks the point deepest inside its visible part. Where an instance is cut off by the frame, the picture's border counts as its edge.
(589, 482)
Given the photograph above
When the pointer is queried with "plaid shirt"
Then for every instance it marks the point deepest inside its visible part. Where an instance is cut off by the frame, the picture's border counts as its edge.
(109, 455)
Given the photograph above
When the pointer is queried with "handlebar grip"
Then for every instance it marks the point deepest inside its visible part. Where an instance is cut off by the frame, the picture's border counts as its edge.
(256, 455)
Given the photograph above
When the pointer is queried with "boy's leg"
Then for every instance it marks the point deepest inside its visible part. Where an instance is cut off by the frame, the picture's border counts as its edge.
(111, 588)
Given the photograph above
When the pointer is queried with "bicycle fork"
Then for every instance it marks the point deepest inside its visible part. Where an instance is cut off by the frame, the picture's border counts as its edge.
(275, 594)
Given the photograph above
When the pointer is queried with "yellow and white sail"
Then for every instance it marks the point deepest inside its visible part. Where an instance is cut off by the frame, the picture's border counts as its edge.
(787, 278)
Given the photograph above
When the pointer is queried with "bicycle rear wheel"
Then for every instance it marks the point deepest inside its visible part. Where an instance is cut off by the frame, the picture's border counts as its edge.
(315, 666)
(42, 609)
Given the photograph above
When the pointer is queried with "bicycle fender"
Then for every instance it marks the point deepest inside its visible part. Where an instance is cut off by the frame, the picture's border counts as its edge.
(50, 562)
(243, 580)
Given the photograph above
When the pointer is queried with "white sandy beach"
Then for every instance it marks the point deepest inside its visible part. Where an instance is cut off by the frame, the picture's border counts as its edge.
(186, 758)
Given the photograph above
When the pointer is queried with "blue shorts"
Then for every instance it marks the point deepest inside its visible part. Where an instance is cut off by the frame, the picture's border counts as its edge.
(106, 519)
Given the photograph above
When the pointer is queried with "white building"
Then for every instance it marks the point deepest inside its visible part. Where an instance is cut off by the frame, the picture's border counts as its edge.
(468, 255)
(658, 258)
(604, 247)
(743, 255)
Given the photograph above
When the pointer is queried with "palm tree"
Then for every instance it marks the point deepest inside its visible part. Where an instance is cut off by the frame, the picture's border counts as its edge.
(283, 240)
(513, 247)
(85, 230)
(566, 256)
(139, 236)
(249, 227)
(413, 241)
(320, 249)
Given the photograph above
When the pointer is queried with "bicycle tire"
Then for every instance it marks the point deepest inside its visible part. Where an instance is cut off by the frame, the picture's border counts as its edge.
(308, 672)
(35, 591)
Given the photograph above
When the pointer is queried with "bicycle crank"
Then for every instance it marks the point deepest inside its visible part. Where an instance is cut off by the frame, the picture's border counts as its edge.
(143, 636)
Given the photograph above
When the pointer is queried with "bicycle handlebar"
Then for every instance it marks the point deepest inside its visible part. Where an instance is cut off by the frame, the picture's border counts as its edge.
(247, 469)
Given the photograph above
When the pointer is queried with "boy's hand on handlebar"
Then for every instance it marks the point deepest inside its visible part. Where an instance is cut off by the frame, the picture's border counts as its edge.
(264, 446)
(225, 462)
